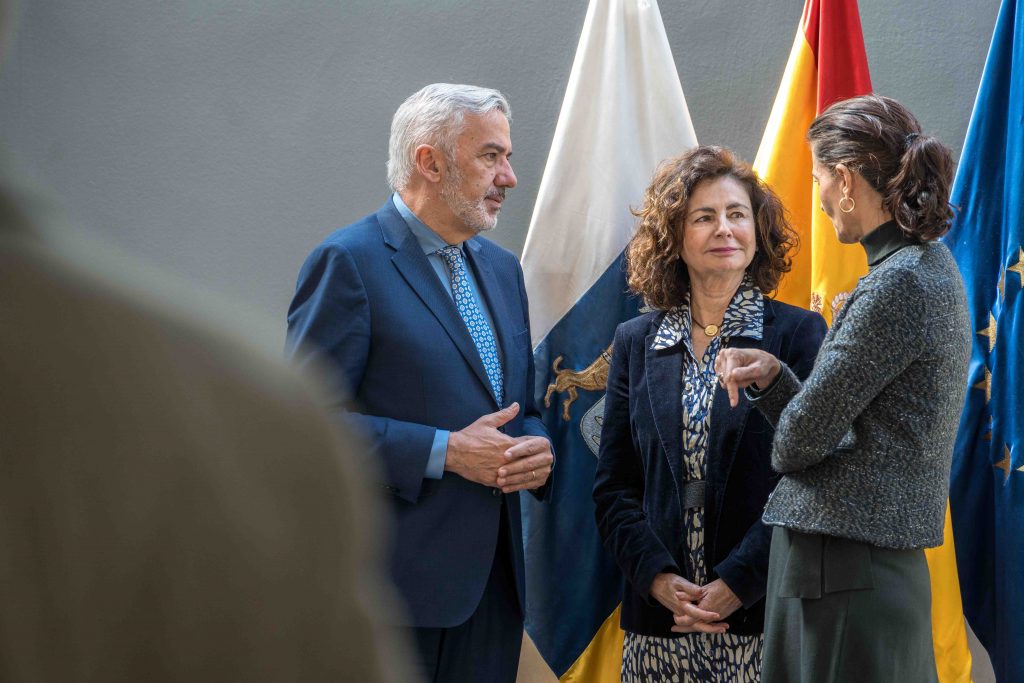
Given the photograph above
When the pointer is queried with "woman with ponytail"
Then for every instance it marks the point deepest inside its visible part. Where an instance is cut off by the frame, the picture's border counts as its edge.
(864, 444)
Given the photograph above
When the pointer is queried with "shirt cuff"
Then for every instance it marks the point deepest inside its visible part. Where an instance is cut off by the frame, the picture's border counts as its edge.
(753, 393)
(438, 453)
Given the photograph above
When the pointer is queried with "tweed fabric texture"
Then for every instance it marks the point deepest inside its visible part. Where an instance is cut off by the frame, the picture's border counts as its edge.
(865, 444)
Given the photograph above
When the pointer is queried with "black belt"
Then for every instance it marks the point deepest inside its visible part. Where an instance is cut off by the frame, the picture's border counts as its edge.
(693, 494)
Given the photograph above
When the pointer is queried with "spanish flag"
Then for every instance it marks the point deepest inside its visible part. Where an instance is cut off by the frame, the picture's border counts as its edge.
(826, 64)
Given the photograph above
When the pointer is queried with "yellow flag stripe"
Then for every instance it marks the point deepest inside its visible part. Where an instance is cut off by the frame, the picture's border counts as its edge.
(784, 162)
(601, 662)
(949, 635)
(824, 270)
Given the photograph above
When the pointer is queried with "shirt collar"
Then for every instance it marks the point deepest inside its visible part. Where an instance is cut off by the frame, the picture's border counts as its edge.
(743, 318)
(883, 242)
(429, 240)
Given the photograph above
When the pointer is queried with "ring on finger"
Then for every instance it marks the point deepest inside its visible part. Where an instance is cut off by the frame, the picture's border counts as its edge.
(533, 474)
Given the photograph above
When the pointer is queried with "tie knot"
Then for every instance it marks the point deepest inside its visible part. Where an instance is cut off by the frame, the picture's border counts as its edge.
(452, 256)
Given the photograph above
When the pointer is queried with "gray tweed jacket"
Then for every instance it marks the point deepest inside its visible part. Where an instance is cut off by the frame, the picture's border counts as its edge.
(865, 444)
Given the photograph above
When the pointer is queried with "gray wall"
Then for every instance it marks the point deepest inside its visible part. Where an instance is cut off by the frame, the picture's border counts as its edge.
(221, 140)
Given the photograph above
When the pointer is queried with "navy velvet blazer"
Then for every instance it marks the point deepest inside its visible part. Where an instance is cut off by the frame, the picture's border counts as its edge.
(639, 480)
(368, 299)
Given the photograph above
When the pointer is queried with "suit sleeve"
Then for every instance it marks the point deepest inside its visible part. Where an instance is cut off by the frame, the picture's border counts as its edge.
(329, 318)
(533, 424)
(619, 485)
(745, 569)
(876, 341)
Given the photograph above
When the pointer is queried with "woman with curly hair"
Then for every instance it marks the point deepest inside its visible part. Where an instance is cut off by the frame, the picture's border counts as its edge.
(865, 443)
(682, 480)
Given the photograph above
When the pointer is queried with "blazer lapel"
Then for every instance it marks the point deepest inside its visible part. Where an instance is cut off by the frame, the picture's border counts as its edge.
(502, 312)
(724, 418)
(664, 372)
(412, 264)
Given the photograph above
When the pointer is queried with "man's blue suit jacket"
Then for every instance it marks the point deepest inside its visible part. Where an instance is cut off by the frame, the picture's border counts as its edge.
(368, 299)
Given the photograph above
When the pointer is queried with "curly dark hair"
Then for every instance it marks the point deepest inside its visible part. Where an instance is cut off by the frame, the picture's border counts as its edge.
(654, 268)
(880, 139)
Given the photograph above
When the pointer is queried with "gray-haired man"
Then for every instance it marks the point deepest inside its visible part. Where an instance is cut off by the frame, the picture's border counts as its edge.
(428, 324)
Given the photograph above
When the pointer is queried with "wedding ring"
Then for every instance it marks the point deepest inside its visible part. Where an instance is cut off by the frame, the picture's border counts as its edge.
(533, 475)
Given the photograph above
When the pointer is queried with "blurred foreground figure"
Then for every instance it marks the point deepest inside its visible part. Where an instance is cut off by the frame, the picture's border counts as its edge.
(173, 505)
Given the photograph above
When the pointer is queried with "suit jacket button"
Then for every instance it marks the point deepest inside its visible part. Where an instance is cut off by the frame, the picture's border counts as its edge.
(495, 492)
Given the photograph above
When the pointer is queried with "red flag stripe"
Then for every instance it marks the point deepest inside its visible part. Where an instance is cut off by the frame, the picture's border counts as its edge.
(833, 31)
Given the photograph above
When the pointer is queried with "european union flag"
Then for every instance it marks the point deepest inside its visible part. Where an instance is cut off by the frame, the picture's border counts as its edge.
(987, 488)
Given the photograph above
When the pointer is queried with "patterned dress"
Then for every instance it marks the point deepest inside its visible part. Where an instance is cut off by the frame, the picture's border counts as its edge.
(699, 657)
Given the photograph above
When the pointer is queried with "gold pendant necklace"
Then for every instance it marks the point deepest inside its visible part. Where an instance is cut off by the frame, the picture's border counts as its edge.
(709, 330)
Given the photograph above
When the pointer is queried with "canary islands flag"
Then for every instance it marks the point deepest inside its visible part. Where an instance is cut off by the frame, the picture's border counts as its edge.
(987, 239)
(623, 112)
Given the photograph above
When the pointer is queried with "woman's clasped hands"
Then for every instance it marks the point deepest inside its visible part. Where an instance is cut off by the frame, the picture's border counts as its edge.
(695, 608)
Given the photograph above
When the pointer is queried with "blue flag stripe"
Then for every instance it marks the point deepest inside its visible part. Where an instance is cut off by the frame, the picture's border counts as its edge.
(572, 582)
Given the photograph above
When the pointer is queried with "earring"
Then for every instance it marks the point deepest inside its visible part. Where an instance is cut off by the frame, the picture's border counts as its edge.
(846, 198)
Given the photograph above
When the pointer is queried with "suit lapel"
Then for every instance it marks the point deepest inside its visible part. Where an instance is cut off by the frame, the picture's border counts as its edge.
(664, 371)
(412, 264)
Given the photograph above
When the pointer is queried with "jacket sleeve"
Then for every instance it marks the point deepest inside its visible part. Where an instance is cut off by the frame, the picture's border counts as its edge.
(329, 318)
(619, 485)
(745, 569)
(878, 338)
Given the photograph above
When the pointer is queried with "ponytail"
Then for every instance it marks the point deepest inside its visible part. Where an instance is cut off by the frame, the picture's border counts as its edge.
(917, 196)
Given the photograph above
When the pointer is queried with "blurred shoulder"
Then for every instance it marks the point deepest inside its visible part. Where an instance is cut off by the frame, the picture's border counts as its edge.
(130, 322)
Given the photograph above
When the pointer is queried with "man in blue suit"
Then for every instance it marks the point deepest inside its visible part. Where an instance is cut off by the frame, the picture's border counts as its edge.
(428, 324)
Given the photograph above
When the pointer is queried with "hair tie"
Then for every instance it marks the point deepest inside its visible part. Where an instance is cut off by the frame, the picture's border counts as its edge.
(909, 139)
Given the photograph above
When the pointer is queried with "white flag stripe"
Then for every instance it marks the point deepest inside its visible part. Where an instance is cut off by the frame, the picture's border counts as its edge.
(623, 112)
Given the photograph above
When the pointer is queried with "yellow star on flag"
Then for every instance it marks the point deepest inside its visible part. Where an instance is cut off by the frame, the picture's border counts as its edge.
(1004, 464)
(990, 332)
(1018, 267)
(985, 384)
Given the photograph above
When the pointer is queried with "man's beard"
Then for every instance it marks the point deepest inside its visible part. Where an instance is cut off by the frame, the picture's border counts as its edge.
(474, 214)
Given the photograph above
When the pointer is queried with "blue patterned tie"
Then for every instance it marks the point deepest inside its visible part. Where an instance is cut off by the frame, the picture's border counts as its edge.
(474, 318)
